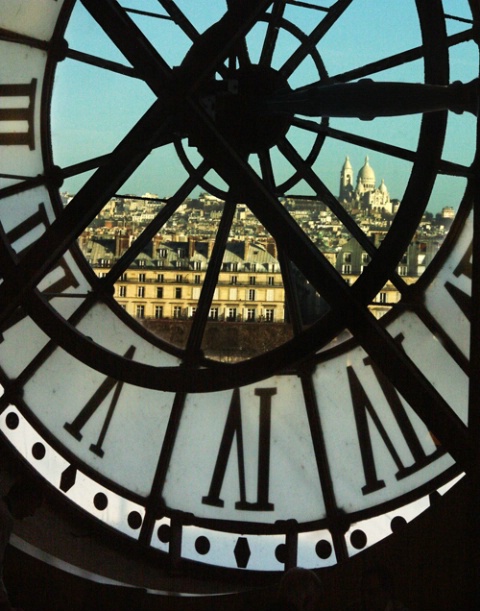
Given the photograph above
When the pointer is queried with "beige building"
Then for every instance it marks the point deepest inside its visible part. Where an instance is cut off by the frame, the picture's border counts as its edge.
(165, 282)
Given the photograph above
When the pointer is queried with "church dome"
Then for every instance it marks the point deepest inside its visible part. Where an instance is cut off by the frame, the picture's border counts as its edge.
(366, 175)
(383, 187)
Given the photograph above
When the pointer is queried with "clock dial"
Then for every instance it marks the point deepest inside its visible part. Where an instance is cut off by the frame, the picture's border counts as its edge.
(320, 446)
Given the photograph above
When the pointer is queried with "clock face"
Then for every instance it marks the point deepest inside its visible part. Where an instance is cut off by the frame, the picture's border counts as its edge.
(313, 449)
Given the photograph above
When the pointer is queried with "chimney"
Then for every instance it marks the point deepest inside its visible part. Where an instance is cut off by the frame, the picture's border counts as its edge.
(121, 244)
(246, 249)
(210, 248)
(272, 248)
(191, 246)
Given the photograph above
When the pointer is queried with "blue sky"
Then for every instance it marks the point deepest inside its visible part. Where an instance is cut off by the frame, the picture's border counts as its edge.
(105, 105)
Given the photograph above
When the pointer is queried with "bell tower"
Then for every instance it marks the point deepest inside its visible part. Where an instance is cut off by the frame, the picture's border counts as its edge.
(346, 181)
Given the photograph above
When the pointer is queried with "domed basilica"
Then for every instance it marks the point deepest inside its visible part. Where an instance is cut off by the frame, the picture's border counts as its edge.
(365, 197)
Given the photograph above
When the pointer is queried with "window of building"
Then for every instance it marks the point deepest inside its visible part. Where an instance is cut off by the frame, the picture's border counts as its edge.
(177, 312)
(193, 311)
(233, 279)
(141, 263)
(124, 277)
(178, 293)
(402, 270)
(162, 252)
(158, 311)
(232, 314)
(142, 277)
(102, 275)
(252, 280)
(159, 277)
(213, 315)
(140, 291)
(250, 314)
(122, 291)
(179, 278)
(346, 269)
(271, 280)
(269, 314)
(197, 265)
(159, 292)
(197, 279)
(251, 295)
(365, 258)
(347, 257)
(382, 297)
(140, 311)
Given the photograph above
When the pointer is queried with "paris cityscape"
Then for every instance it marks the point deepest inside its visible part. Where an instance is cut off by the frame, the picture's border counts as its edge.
(164, 282)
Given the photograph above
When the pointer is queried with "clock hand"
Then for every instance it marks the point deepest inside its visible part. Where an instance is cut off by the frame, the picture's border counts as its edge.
(367, 99)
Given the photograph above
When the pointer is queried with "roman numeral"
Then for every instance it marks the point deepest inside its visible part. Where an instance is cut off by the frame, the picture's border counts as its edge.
(233, 430)
(109, 385)
(20, 110)
(363, 410)
(31, 227)
(464, 268)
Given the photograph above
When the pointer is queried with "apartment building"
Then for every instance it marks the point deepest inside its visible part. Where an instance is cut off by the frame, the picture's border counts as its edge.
(166, 279)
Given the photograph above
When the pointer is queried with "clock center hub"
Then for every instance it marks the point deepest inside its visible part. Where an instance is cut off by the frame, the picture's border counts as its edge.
(232, 105)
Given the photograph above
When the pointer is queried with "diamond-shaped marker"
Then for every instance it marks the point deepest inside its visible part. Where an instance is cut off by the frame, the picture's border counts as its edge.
(242, 552)
(68, 478)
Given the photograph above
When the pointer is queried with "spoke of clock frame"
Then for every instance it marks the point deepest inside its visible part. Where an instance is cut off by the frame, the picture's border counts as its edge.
(308, 5)
(336, 522)
(394, 61)
(266, 168)
(331, 18)
(25, 184)
(100, 62)
(154, 226)
(324, 194)
(179, 18)
(372, 336)
(438, 331)
(86, 204)
(43, 355)
(291, 294)
(22, 39)
(55, 174)
(199, 323)
(155, 505)
(131, 41)
(449, 168)
(271, 36)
